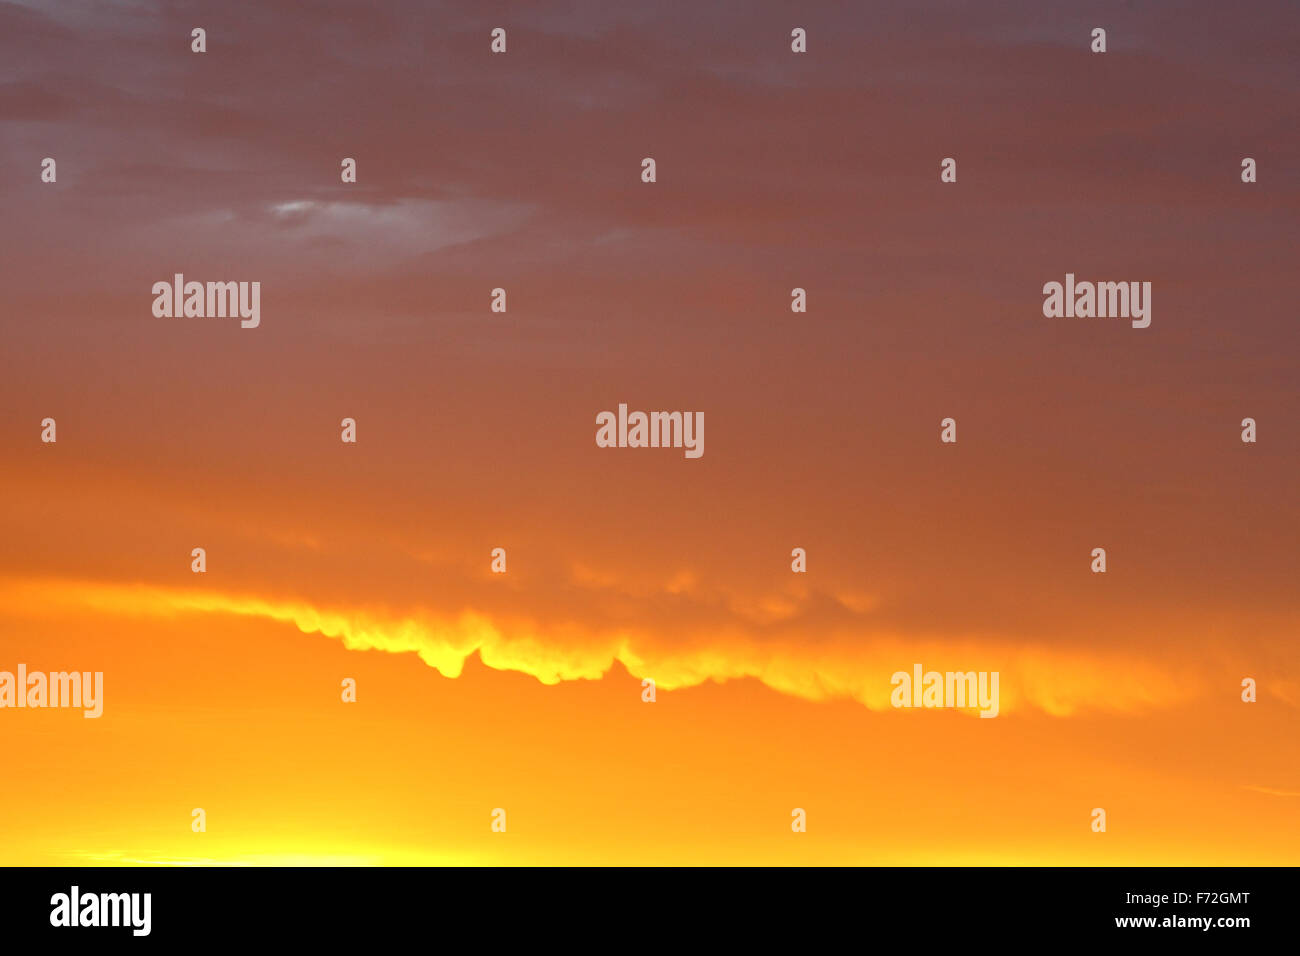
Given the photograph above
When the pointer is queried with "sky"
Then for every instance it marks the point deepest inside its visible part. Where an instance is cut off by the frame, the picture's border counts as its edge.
(475, 430)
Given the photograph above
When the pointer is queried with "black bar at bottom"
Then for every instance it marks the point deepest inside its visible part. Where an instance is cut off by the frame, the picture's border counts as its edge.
(654, 907)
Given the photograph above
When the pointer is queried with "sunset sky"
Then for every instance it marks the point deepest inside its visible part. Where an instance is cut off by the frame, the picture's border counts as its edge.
(476, 431)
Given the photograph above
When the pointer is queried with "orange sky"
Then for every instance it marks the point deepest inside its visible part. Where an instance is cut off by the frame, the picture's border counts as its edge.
(523, 690)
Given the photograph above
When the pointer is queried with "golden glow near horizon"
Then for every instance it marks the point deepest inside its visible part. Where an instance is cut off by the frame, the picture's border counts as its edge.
(212, 703)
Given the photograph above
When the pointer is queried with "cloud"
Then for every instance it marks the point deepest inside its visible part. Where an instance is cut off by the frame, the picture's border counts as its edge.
(1271, 791)
(1058, 682)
